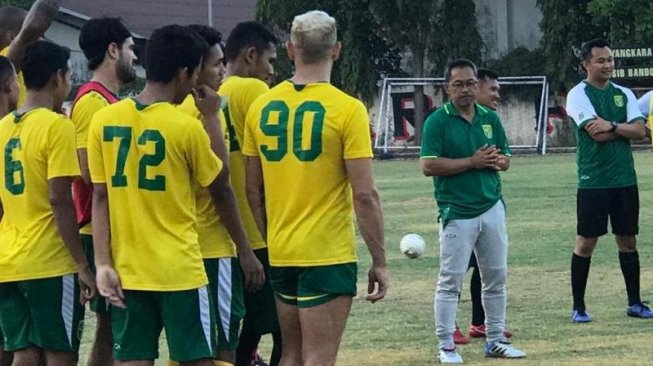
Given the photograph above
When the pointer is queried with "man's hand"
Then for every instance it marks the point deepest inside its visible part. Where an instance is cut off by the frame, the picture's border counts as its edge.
(253, 270)
(597, 126)
(108, 284)
(88, 289)
(206, 100)
(503, 163)
(485, 157)
(377, 283)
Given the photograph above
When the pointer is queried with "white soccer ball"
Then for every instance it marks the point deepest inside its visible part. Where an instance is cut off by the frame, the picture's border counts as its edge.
(412, 245)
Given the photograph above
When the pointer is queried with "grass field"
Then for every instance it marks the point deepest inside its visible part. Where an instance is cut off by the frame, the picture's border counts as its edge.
(540, 196)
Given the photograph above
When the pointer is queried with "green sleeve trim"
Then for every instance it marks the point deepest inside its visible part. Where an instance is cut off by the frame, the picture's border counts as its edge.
(637, 119)
(582, 124)
(429, 157)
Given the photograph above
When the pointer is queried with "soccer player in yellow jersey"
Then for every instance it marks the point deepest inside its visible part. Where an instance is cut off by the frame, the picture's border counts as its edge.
(41, 256)
(8, 100)
(250, 53)
(308, 143)
(218, 250)
(146, 158)
(109, 49)
(20, 30)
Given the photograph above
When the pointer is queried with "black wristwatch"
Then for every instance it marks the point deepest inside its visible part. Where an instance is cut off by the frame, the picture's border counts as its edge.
(614, 126)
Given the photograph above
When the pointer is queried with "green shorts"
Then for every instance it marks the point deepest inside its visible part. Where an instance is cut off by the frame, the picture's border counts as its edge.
(45, 313)
(99, 304)
(187, 317)
(261, 311)
(226, 284)
(307, 287)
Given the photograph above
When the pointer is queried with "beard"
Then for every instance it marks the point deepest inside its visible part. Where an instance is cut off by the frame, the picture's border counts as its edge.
(125, 72)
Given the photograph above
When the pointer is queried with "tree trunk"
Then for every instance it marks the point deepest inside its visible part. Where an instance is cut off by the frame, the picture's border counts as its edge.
(418, 72)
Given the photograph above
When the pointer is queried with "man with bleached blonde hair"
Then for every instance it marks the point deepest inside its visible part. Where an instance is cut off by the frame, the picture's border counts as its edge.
(309, 143)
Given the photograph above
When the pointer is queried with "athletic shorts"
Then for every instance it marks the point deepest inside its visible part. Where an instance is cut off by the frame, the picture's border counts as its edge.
(595, 206)
(187, 317)
(261, 311)
(99, 304)
(307, 287)
(45, 313)
(226, 284)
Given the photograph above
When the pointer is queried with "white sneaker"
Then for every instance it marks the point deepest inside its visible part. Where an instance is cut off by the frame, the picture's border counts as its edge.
(449, 355)
(502, 349)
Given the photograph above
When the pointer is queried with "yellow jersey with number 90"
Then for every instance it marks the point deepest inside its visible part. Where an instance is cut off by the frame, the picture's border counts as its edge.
(150, 157)
(38, 146)
(303, 134)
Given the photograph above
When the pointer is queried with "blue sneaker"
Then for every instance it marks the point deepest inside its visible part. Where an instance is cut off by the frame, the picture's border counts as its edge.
(639, 311)
(581, 316)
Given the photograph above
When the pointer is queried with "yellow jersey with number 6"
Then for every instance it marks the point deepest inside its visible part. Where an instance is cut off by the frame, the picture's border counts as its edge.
(37, 146)
(303, 134)
(150, 157)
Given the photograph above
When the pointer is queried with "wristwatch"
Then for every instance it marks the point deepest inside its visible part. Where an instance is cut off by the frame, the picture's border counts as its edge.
(614, 126)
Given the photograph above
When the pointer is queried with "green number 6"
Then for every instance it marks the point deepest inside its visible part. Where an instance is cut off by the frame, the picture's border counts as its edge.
(13, 168)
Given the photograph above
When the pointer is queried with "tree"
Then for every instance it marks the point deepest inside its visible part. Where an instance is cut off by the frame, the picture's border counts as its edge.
(410, 24)
(565, 25)
(366, 57)
(630, 21)
(25, 4)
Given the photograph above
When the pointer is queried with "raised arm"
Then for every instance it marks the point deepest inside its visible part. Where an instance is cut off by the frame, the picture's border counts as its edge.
(36, 23)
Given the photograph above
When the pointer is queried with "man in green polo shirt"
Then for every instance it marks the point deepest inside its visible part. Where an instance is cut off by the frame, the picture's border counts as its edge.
(464, 147)
(606, 117)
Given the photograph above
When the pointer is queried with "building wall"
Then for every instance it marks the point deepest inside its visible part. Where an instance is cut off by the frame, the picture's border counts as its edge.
(508, 24)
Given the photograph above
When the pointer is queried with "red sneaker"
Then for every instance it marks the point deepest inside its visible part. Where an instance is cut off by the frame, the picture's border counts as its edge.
(478, 331)
(459, 337)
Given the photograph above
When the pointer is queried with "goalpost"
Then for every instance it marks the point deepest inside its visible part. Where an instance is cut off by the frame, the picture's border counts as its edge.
(523, 111)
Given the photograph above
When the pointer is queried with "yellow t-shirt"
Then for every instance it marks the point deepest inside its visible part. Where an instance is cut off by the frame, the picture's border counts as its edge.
(214, 238)
(82, 113)
(38, 146)
(150, 157)
(22, 91)
(237, 95)
(303, 135)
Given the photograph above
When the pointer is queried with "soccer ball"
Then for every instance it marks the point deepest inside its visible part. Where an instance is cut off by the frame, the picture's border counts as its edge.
(412, 245)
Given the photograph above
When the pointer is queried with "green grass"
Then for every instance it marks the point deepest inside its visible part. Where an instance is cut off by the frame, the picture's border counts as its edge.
(540, 196)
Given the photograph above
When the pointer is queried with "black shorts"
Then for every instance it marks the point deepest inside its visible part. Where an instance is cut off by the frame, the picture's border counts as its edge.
(595, 206)
(472, 262)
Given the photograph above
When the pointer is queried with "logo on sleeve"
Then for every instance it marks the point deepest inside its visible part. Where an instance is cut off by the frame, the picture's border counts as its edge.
(619, 100)
(487, 129)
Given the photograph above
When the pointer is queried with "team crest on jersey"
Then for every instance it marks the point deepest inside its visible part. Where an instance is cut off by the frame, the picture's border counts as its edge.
(487, 129)
(619, 100)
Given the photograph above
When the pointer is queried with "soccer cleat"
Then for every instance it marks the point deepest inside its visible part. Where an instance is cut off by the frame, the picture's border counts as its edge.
(639, 311)
(448, 354)
(478, 331)
(459, 337)
(502, 349)
(580, 316)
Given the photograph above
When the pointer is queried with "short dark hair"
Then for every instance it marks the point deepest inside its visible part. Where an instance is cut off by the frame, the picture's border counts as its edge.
(97, 34)
(11, 19)
(43, 59)
(210, 35)
(246, 35)
(460, 63)
(6, 69)
(170, 49)
(586, 48)
(486, 74)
